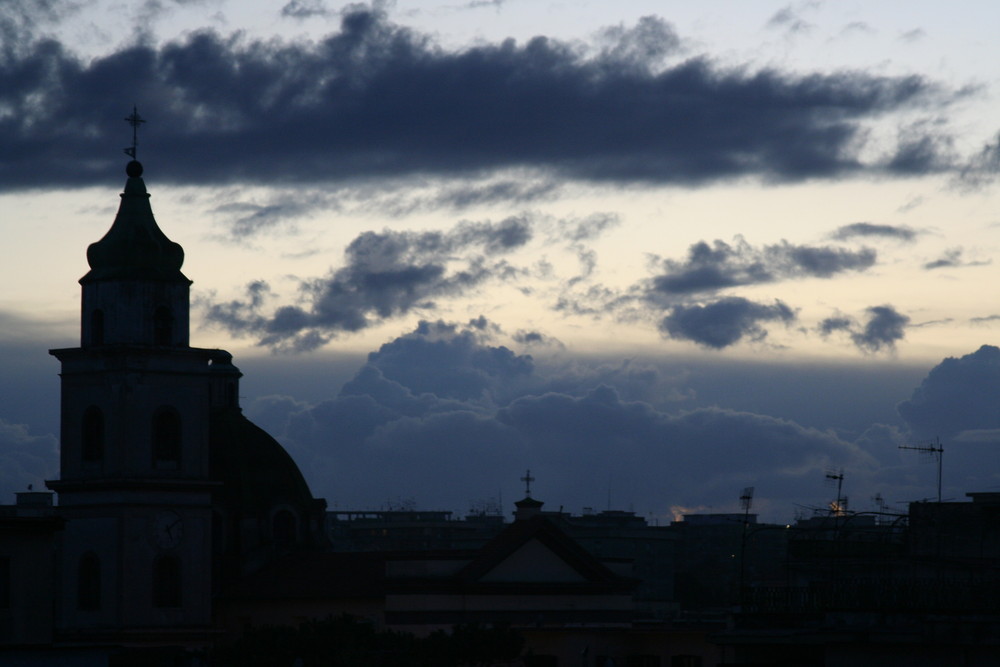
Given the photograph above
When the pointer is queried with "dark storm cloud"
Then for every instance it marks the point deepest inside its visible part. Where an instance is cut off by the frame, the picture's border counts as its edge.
(709, 268)
(376, 99)
(724, 322)
(952, 259)
(869, 229)
(386, 274)
(957, 395)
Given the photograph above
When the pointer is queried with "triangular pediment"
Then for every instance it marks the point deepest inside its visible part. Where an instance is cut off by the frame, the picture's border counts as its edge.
(533, 561)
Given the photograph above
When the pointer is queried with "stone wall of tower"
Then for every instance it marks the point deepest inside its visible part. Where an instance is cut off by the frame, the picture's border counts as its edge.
(136, 312)
(128, 390)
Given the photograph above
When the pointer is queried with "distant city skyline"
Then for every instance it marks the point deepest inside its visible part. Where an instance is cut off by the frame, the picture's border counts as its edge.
(654, 250)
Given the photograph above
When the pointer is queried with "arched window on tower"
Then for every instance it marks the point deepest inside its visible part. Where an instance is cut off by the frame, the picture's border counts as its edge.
(166, 439)
(92, 435)
(163, 325)
(97, 327)
(283, 529)
(88, 582)
(167, 582)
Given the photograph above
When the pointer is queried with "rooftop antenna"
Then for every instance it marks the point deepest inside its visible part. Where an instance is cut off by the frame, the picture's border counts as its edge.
(840, 504)
(527, 479)
(935, 449)
(881, 505)
(746, 502)
(135, 120)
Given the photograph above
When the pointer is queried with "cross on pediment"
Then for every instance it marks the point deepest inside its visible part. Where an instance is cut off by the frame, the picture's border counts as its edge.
(527, 479)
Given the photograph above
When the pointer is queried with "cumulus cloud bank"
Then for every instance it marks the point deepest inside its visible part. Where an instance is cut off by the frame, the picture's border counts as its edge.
(441, 414)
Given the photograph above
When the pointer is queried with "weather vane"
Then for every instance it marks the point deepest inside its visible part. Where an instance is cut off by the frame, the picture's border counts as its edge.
(135, 120)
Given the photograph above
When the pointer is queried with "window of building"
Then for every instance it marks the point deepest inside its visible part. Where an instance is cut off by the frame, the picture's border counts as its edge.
(166, 439)
(97, 327)
(92, 435)
(167, 582)
(163, 326)
(88, 582)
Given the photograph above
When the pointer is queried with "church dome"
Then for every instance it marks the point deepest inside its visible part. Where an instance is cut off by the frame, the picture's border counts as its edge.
(256, 472)
(135, 248)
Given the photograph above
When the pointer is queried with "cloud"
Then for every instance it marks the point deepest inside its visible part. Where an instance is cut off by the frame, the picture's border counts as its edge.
(304, 9)
(913, 36)
(959, 394)
(536, 339)
(724, 322)
(709, 268)
(441, 415)
(789, 19)
(869, 230)
(438, 358)
(20, 22)
(982, 168)
(376, 99)
(640, 47)
(386, 274)
(834, 324)
(26, 459)
(952, 259)
(884, 327)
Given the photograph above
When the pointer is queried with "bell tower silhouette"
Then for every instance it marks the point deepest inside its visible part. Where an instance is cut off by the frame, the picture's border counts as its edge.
(135, 486)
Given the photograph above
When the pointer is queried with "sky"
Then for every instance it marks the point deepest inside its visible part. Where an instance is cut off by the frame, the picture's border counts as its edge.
(655, 252)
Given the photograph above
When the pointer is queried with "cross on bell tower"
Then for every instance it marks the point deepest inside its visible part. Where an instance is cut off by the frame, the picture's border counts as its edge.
(135, 120)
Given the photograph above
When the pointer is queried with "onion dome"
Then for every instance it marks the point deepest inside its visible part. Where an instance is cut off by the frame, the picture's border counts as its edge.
(135, 248)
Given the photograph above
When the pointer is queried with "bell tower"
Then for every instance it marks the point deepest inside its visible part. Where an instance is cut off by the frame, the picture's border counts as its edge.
(135, 484)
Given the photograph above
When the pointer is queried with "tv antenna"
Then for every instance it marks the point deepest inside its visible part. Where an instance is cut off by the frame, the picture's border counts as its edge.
(839, 506)
(881, 505)
(746, 502)
(935, 449)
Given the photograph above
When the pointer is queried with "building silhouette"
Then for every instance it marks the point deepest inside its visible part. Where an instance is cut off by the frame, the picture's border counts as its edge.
(180, 524)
